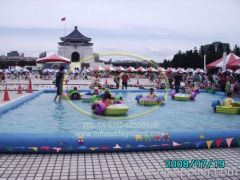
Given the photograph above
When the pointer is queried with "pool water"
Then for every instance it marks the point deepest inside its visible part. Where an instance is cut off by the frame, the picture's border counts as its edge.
(42, 115)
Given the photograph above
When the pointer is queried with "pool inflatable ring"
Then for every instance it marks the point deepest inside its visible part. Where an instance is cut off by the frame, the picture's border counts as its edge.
(100, 108)
(235, 109)
(147, 101)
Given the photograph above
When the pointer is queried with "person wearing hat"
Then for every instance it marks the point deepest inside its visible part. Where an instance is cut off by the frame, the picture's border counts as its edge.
(59, 84)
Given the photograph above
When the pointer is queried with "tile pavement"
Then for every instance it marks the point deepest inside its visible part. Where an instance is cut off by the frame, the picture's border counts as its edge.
(128, 165)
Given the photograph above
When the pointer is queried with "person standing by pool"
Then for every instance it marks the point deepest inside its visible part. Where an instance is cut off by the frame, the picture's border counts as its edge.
(117, 81)
(59, 84)
(124, 81)
(177, 80)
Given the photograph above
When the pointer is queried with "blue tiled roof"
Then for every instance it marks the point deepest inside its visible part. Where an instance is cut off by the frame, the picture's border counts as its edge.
(75, 36)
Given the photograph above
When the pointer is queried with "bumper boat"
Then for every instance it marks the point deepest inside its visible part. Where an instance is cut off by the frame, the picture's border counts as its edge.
(235, 109)
(100, 108)
(183, 97)
(147, 101)
(72, 95)
(90, 98)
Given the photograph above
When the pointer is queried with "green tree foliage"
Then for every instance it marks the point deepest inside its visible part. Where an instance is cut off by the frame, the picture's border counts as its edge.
(194, 58)
(236, 50)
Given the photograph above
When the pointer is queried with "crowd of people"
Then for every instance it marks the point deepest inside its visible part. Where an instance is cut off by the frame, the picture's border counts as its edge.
(221, 81)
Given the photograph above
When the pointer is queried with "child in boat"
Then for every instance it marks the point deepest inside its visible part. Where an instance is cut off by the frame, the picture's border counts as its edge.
(152, 94)
(95, 91)
(229, 100)
(107, 98)
(74, 89)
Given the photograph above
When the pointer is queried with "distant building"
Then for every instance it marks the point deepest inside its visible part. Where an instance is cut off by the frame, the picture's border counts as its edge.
(217, 46)
(16, 57)
(13, 54)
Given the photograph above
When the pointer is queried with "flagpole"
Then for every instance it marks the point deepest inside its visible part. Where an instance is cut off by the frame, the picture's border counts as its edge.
(65, 27)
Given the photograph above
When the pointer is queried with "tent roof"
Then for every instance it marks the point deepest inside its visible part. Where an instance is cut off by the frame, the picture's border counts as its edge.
(55, 58)
(235, 64)
(219, 62)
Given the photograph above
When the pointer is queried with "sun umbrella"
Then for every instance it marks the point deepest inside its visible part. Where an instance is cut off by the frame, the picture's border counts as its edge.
(7, 71)
(120, 68)
(198, 70)
(151, 69)
(55, 58)
(238, 71)
(161, 69)
(131, 69)
(46, 70)
(97, 68)
(109, 68)
(170, 69)
(141, 69)
(25, 70)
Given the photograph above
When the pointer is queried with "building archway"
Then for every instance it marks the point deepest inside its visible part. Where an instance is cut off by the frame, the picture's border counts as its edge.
(75, 57)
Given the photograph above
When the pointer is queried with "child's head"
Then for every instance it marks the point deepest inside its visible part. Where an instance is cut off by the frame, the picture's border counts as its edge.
(61, 68)
(95, 88)
(229, 94)
(75, 88)
(151, 90)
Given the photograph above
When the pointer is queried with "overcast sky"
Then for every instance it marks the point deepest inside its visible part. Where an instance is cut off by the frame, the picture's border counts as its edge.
(153, 28)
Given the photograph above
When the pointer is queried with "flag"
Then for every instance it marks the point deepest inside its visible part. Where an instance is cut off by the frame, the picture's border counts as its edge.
(63, 19)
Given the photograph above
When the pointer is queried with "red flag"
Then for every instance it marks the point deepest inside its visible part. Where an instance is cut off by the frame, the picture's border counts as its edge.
(63, 19)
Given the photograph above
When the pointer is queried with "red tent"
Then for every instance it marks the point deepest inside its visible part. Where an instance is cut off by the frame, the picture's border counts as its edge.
(53, 59)
(231, 58)
(235, 65)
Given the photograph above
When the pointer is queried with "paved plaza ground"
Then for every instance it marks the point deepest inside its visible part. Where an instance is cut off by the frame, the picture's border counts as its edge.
(128, 165)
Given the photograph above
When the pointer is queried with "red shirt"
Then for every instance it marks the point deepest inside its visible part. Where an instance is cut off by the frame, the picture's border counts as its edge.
(125, 78)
